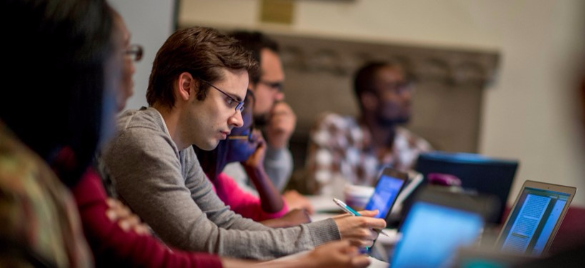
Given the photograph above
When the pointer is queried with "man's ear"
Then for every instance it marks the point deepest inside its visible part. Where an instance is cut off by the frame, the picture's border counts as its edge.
(368, 101)
(187, 86)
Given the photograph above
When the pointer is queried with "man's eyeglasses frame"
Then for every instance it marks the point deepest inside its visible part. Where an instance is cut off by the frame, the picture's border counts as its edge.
(240, 104)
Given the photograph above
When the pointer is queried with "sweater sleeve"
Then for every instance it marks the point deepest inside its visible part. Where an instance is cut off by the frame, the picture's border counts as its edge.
(278, 165)
(114, 247)
(169, 191)
(241, 202)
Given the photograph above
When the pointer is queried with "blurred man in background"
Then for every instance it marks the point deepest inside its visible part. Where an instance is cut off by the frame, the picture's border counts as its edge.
(354, 150)
(272, 115)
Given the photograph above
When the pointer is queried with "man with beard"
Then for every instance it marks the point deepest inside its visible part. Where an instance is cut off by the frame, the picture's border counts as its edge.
(273, 116)
(356, 149)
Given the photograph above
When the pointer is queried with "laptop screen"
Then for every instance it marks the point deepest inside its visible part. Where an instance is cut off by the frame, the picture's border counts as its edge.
(387, 189)
(533, 221)
(431, 233)
(477, 173)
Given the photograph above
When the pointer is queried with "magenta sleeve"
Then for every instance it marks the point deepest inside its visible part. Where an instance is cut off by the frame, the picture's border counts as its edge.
(115, 247)
(242, 202)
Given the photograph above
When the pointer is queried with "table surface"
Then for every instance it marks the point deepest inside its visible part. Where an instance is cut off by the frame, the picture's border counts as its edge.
(374, 263)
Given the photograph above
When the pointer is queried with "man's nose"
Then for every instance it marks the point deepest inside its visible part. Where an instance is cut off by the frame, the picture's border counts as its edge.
(237, 120)
(407, 95)
(279, 96)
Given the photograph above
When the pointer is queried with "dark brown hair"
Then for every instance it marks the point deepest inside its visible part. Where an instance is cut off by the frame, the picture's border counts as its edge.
(56, 95)
(254, 42)
(203, 52)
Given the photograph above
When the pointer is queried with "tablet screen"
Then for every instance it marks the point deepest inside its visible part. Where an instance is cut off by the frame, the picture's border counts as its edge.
(387, 189)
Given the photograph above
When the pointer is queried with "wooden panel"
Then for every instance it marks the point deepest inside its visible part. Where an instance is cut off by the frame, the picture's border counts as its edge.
(446, 105)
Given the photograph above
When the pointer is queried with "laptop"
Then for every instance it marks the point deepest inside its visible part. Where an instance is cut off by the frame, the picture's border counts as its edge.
(437, 224)
(478, 173)
(535, 218)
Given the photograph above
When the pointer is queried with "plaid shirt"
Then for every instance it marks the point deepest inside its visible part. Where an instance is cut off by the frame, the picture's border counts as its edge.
(38, 215)
(339, 147)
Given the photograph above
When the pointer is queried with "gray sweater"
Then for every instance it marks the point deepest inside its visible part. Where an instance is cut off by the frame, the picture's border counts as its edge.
(169, 191)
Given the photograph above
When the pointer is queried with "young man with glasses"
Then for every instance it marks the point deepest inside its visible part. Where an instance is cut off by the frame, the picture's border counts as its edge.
(155, 170)
(354, 150)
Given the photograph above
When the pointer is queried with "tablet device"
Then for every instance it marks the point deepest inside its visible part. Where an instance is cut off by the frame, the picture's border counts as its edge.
(388, 187)
(438, 223)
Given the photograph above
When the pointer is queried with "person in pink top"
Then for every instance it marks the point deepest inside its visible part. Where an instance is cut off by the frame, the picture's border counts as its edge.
(247, 146)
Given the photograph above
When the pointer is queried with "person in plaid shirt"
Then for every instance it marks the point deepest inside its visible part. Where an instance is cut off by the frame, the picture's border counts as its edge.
(354, 149)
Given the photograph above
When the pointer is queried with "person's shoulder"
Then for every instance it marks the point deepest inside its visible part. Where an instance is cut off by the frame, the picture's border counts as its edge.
(330, 119)
(144, 118)
(140, 130)
(17, 161)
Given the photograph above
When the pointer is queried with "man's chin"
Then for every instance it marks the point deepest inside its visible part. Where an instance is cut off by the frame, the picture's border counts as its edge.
(208, 146)
(393, 121)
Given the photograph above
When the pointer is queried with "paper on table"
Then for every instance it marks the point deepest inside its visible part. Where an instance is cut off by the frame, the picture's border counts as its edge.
(322, 203)
(375, 263)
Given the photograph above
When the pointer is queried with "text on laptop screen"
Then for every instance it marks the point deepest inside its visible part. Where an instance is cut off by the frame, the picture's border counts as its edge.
(385, 194)
(532, 221)
(432, 233)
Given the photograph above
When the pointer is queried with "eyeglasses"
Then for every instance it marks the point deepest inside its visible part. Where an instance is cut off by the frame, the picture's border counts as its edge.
(135, 52)
(399, 87)
(231, 100)
(272, 85)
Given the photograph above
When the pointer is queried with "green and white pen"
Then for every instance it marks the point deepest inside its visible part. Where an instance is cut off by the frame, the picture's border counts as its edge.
(351, 211)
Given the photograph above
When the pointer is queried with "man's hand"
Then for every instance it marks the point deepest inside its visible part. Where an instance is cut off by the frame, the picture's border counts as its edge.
(256, 160)
(281, 125)
(294, 200)
(336, 254)
(117, 212)
(332, 254)
(359, 229)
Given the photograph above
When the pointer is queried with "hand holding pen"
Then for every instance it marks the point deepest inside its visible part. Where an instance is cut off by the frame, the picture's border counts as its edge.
(351, 211)
(359, 229)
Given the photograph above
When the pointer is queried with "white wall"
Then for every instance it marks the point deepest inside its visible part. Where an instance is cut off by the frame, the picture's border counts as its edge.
(150, 22)
(529, 111)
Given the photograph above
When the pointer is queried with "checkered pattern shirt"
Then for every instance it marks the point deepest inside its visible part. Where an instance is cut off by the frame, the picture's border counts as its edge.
(340, 147)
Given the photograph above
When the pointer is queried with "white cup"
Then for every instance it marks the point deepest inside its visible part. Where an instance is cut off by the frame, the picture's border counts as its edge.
(357, 196)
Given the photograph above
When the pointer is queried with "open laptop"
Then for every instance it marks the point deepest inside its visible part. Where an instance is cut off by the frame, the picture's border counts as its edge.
(478, 173)
(535, 218)
(528, 231)
(437, 224)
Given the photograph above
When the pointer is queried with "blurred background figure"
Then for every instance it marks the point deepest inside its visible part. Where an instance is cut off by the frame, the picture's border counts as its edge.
(64, 70)
(272, 116)
(353, 150)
